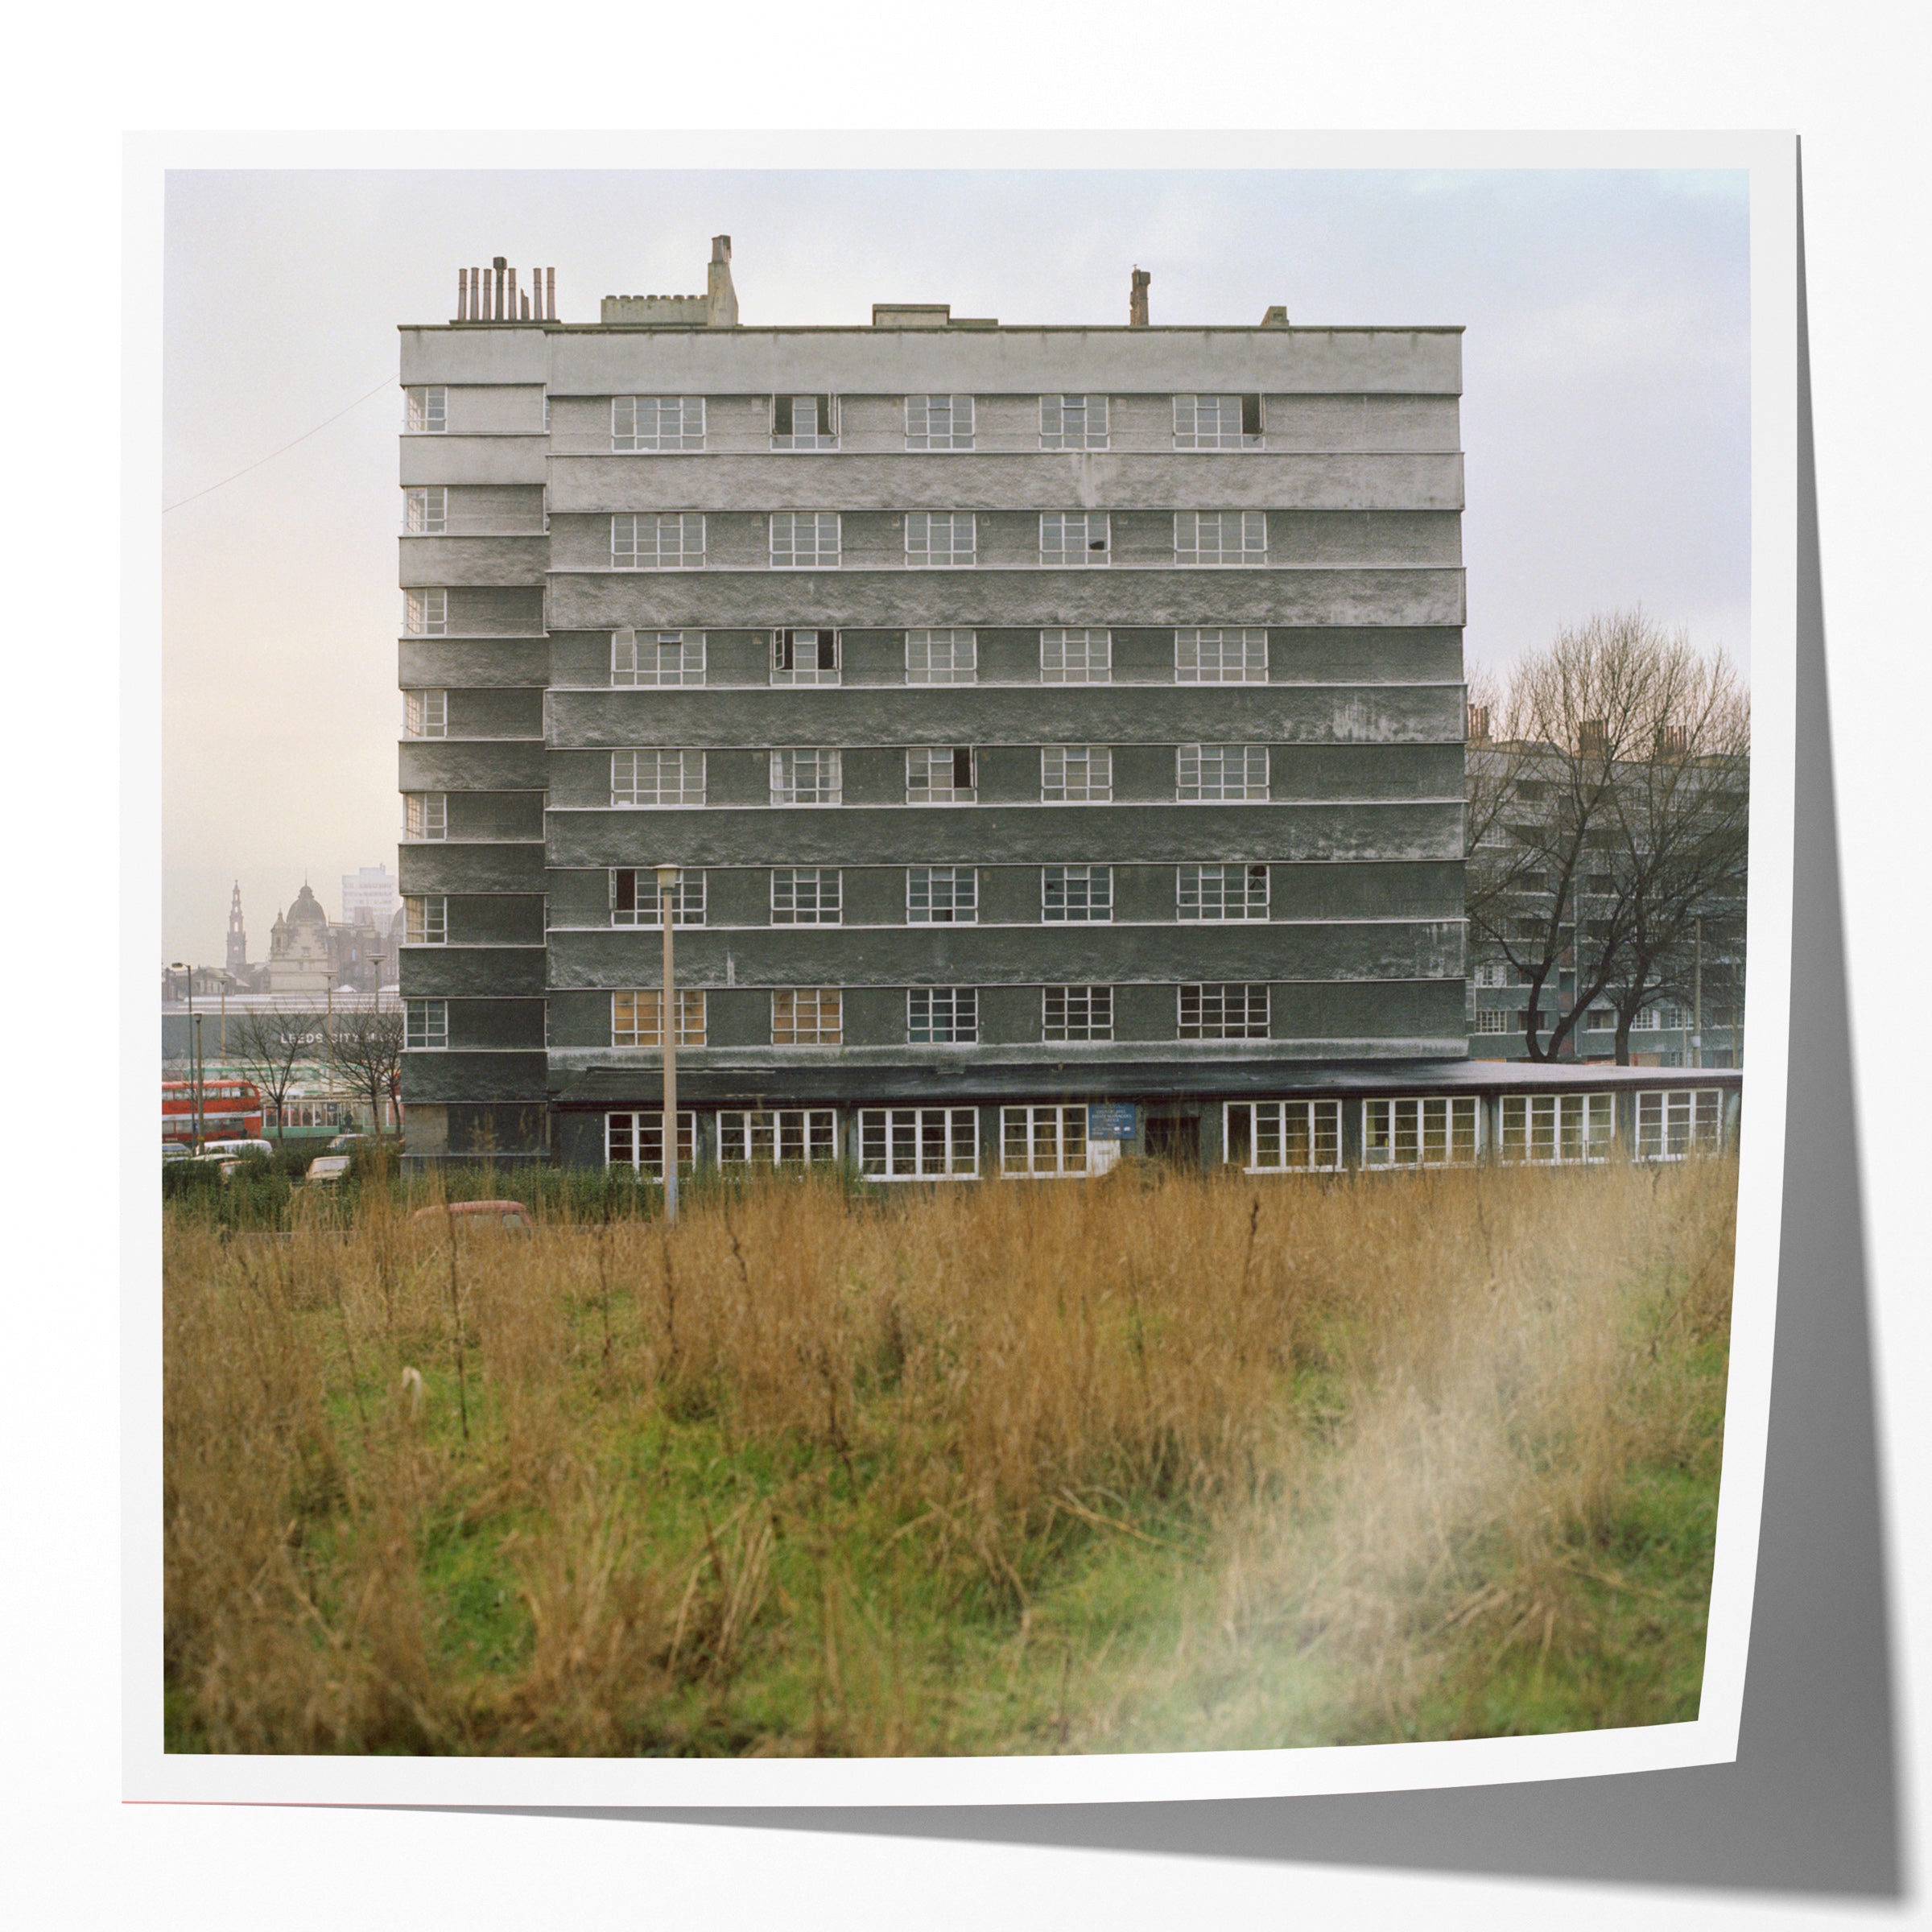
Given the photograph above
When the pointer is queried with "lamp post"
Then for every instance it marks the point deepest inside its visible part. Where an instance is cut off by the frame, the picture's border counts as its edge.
(667, 893)
(194, 1036)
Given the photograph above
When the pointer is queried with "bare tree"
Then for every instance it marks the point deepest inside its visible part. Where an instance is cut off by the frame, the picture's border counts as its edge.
(273, 1047)
(369, 1049)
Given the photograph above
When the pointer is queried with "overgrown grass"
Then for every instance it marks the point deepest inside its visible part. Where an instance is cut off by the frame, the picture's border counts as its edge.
(1151, 1462)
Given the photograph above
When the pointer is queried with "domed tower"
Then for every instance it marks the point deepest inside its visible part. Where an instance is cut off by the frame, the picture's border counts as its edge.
(298, 957)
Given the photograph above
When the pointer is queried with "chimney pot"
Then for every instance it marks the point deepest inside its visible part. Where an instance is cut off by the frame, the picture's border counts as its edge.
(500, 261)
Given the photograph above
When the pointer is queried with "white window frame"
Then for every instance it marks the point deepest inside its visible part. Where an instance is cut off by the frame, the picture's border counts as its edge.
(815, 437)
(1081, 656)
(1044, 1143)
(960, 909)
(1204, 421)
(1430, 1126)
(960, 665)
(426, 919)
(827, 775)
(1218, 994)
(1077, 775)
(426, 510)
(920, 765)
(826, 1008)
(788, 646)
(1095, 1001)
(1194, 763)
(627, 1134)
(920, 418)
(426, 714)
(692, 1016)
(1220, 656)
(425, 816)
(825, 911)
(919, 1143)
(1673, 1123)
(1100, 874)
(675, 424)
(426, 613)
(630, 789)
(1277, 1131)
(1492, 1019)
(924, 525)
(646, 907)
(1066, 539)
(631, 670)
(961, 1008)
(787, 553)
(426, 1026)
(1250, 549)
(781, 1136)
(1202, 910)
(426, 409)
(1055, 434)
(1556, 1130)
(628, 550)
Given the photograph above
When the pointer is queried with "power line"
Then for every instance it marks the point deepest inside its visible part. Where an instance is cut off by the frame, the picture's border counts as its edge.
(289, 445)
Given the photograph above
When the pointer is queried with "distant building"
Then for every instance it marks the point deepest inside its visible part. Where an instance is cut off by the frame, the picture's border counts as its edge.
(299, 954)
(238, 933)
(374, 889)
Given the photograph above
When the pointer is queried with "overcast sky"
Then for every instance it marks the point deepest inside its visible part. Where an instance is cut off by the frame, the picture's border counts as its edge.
(1606, 413)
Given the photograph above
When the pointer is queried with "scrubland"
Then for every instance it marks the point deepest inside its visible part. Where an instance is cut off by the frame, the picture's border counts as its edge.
(1151, 1463)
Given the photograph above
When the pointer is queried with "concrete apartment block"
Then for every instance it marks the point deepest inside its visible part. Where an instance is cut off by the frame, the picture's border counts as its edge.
(1134, 601)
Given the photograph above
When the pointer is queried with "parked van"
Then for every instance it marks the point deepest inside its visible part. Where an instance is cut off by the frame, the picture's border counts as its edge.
(326, 1169)
(235, 1150)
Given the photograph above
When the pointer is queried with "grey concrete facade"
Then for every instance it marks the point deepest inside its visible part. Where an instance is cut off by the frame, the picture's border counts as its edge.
(1354, 920)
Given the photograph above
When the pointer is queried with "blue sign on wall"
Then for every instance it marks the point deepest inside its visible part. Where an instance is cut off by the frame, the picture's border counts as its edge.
(1110, 1121)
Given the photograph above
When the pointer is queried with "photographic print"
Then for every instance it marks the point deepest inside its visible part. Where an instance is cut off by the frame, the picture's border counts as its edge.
(962, 1014)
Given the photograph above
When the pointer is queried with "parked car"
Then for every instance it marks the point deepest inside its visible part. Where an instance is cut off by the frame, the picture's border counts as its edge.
(238, 1150)
(327, 1168)
(173, 1150)
(512, 1214)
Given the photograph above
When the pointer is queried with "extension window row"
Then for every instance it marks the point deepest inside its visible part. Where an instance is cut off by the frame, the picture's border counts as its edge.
(1054, 1141)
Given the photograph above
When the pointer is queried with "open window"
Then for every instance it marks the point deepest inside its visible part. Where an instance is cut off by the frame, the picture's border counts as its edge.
(803, 423)
(804, 657)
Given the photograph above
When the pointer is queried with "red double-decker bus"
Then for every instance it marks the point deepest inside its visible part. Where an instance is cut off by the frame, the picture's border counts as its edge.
(230, 1110)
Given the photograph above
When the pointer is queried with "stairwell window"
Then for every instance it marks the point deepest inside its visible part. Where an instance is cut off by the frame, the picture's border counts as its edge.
(803, 423)
(1215, 538)
(1070, 540)
(426, 613)
(942, 657)
(640, 424)
(1217, 421)
(1217, 893)
(1077, 775)
(656, 659)
(1223, 1012)
(942, 539)
(1073, 422)
(940, 775)
(938, 422)
(637, 1017)
(426, 1026)
(942, 895)
(426, 714)
(657, 778)
(425, 815)
(1076, 1013)
(426, 512)
(804, 657)
(805, 895)
(635, 900)
(426, 411)
(1077, 895)
(1220, 657)
(1211, 774)
(942, 1016)
(1077, 657)
(809, 776)
(807, 1016)
(673, 541)
(426, 922)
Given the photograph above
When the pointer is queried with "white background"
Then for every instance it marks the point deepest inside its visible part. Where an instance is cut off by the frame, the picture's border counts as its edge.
(1851, 81)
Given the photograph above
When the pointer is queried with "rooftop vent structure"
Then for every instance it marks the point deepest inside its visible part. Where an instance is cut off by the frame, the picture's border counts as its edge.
(491, 295)
(717, 308)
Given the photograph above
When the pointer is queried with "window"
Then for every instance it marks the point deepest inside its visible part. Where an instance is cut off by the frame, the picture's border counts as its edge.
(1667, 1016)
(1220, 657)
(426, 714)
(657, 778)
(426, 512)
(425, 1024)
(1679, 1121)
(1555, 1130)
(1076, 895)
(1425, 1132)
(805, 895)
(804, 657)
(1222, 892)
(1076, 1013)
(1073, 422)
(940, 775)
(426, 922)
(1077, 657)
(635, 900)
(1223, 1012)
(807, 776)
(807, 1016)
(941, 539)
(672, 542)
(942, 895)
(919, 1143)
(942, 1016)
(637, 1140)
(426, 613)
(1221, 772)
(1077, 775)
(1283, 1137)
(1221, 536)
(657, 423)
(427, 410)
(1602, 1019)
(1492, 972)
(637, 1017)
(942, 657)
(657, 658)
(1490, 1019)
(425, 815)
(1071, 539)
(787, 1138)
(804, 539)
(1043, 1142)
(938, 422)
(803, 423)
(1217, 423)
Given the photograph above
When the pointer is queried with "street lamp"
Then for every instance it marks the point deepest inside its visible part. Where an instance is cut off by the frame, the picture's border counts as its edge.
(194, 1035)
(667, 892)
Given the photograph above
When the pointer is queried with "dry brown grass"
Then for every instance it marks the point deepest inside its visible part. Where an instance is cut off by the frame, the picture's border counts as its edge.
(801, 1474)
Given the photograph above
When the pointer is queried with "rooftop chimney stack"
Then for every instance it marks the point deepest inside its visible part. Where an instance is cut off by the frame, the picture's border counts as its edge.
(720, 298)
(1137, 302)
